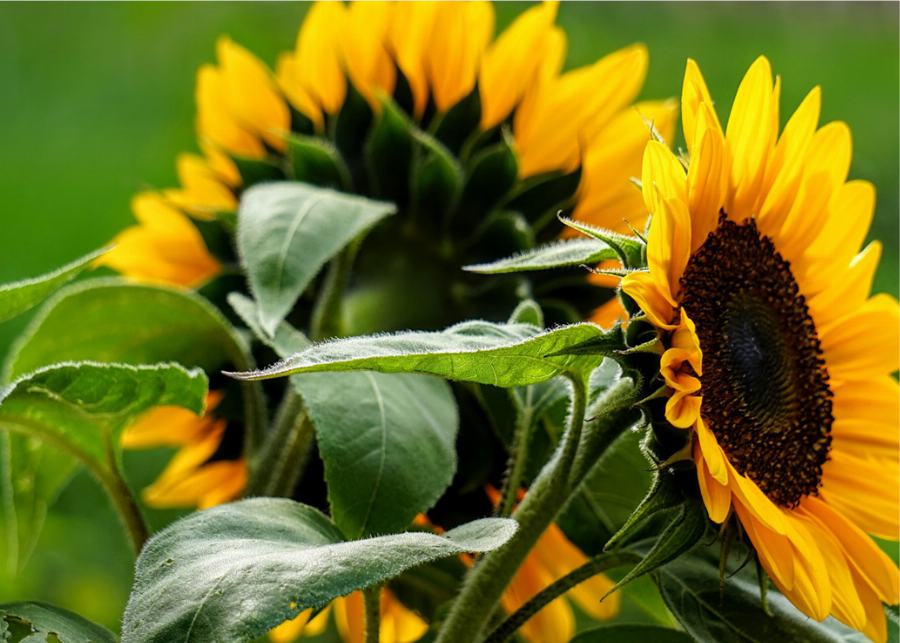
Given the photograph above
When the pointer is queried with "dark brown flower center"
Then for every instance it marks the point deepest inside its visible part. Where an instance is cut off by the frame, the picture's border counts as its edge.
(765, 387)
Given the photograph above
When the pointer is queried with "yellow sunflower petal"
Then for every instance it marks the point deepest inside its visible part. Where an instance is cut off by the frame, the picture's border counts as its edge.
(512, 61)
(203, 193)
(410, 35)
(291, 630)
(669, 244)
(788, 162)
(865, 342)
(350, 617)
(169, 425)
(751, 496)
(607, 196)
(876, 625)
(555, 623)
(662, 177)
(774, 549)
(870, 561)
(872, 400)
(694, 95)
(708, 177)
(251, 94)
(651, 292)
(368, 61)
(812, 591)
(851, 210)
(289, 74)
(848, 294)
(715, 459)
(456, 48)
(750, 136)
(318, 55)
(398, 623)
(216, 122)
(845, 602)
(560, 115)
(716, 497)
(847, 478)
(164, 247)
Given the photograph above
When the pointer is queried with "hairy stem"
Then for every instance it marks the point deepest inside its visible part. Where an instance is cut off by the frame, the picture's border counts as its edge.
(553, 591)
(283, 457)
(518, 456)
(486, 582)
(372, 600)
(326, 314)
(123, 500)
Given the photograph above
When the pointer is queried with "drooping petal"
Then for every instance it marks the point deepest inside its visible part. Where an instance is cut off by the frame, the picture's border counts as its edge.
(774, 549)
(716, 497)
(410, 35)
(651, 292)
(202, 192)
(456, 49)
(251, 94)
(512, 61)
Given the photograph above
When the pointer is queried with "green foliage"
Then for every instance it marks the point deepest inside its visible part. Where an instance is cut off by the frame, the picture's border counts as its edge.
(38, 623)
(235, 571)
(76, 409)
(388, 444)
(109, 320)
(560, 254)
(498, 354)
(629, 249)
(317, 161)
(288, 231)
(20, 296)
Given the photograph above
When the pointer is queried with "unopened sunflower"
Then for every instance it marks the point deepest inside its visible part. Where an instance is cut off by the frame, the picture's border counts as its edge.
(778, 359)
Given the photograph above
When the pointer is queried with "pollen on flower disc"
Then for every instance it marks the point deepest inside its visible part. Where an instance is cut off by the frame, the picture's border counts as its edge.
(766, 395)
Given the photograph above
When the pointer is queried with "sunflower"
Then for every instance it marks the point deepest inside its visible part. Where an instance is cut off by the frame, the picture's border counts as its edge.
(571, 140)
(528, 140)
(777, 358)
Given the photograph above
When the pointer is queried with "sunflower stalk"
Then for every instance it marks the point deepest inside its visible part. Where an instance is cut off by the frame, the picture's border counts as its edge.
(518, 457)
(536, 603)
(283, 457)
(372, 601)
(326, 314)
(546, 498)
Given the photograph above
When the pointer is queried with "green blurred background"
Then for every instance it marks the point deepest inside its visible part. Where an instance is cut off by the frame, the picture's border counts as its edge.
(97, 100)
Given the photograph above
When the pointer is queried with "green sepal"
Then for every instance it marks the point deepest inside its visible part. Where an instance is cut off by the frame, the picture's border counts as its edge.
(502, 232)
(436, 180)
(349, 130)
(566, 253)
(664, 494)
(255, 171)
(453, 127)
(541, 197)
(389, 153)
(631, 250)
(490, 175)
(317, 161)
(218, 239)
(681, 534)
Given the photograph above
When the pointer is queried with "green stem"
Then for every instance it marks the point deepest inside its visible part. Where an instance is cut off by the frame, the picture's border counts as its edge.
(518, 456)
(123, 500)
(486, 582)
(326, 315)
(283, 457)
(553, 591)
(372, 600)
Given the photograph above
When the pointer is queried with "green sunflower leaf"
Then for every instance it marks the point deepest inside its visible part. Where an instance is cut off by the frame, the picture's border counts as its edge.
(490, 175)
(630, 250)
(78, 409)
(109, 320)
(711, 611)
(503, 355)
(396, 420)
(387, 441)
(40, 622)
(288, 231)
(561, 254)
(236, 571)
(20, 296)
